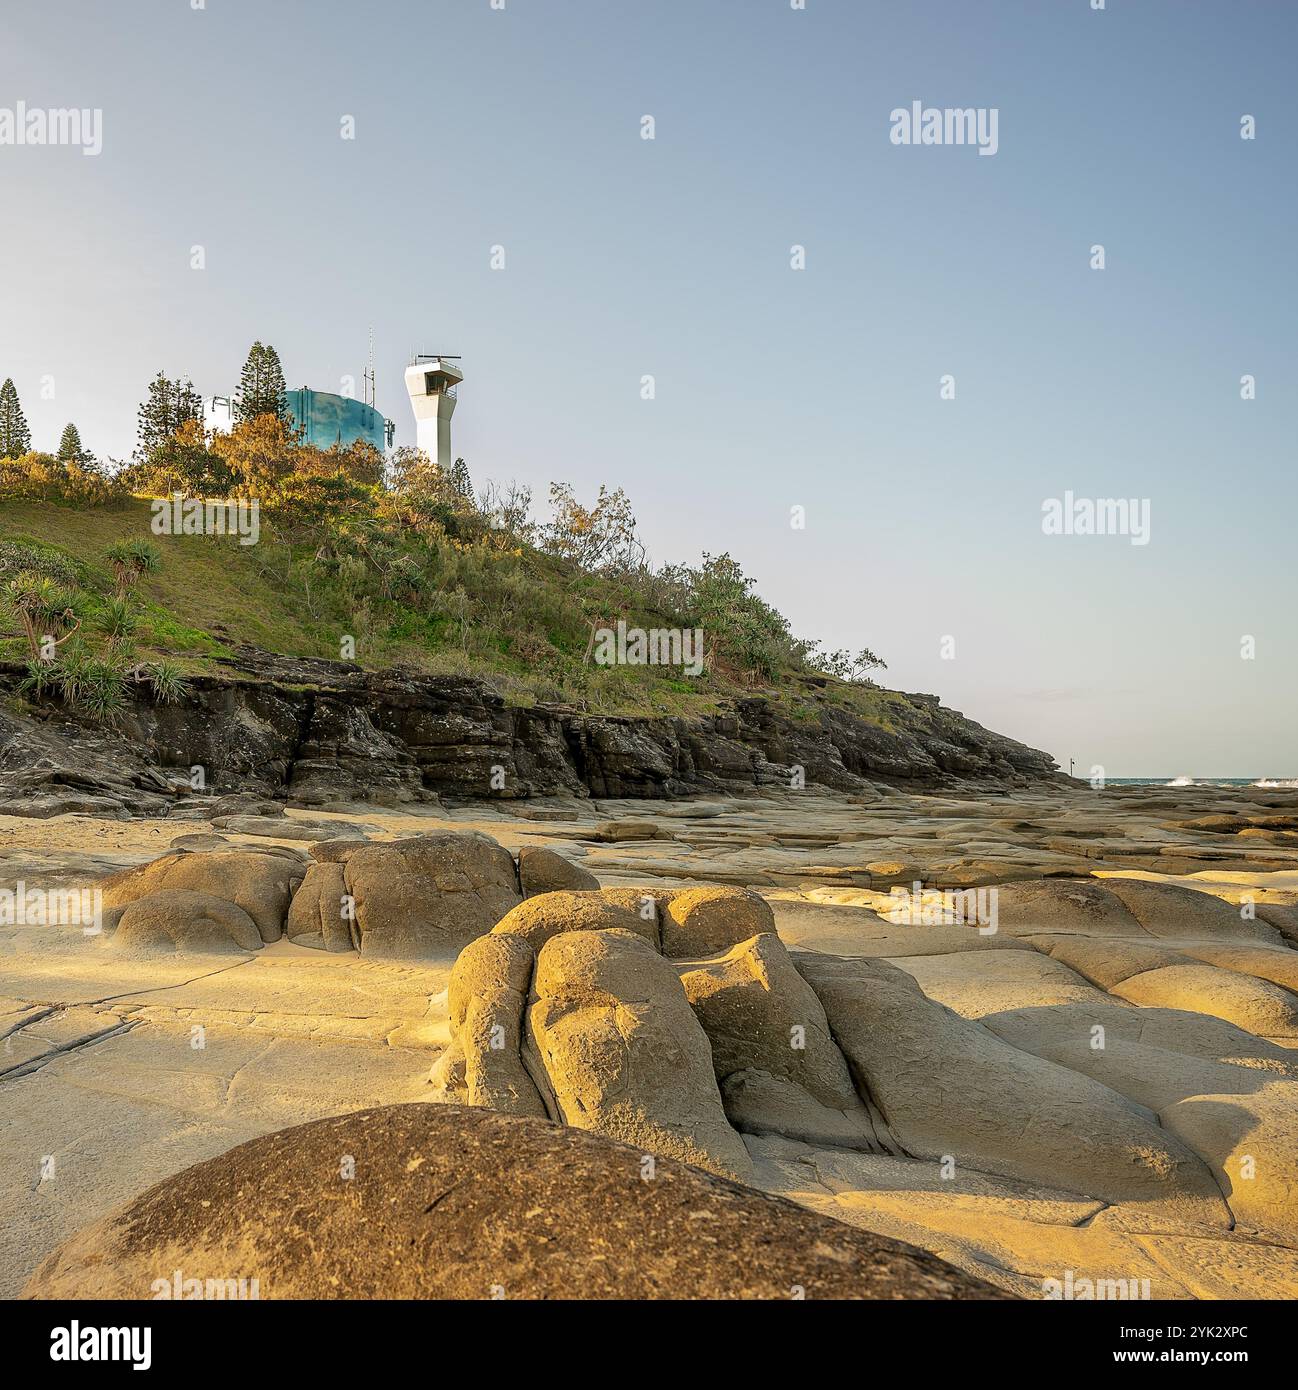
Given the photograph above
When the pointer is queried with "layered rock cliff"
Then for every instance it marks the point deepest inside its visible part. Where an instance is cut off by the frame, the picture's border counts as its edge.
(313, 732)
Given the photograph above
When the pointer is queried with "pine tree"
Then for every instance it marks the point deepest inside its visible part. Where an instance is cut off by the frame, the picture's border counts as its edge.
(15, 437)
(460, 479)
(167, 406)
(276, 391)
(248, 397)
(261, 386)
(70, 450)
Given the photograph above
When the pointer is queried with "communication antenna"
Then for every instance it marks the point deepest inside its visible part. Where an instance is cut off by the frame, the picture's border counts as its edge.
(370, 393)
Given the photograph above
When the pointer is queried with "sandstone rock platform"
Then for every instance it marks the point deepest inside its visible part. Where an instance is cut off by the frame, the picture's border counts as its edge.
(1141, 972)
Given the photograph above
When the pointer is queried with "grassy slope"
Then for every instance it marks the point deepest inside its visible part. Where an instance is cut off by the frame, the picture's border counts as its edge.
(521, 623)
(202, 584)
(212, 594)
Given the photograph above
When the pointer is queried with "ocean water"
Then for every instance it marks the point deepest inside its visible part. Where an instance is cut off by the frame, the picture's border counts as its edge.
(1185, 781)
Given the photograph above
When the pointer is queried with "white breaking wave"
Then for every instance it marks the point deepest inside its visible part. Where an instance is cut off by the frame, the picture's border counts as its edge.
(1271, 783)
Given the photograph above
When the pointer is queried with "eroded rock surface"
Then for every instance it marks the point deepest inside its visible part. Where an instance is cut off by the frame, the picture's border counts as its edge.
(702, 921)
(453, 1203)
(435, 892)
(1023, 1061)
(542, 870)
(261, 882)
(178, 920)
(779, 1067)
(542, 918)
(949, 1087)
(618, 1050)
(1160, 1013)
(486, 1000)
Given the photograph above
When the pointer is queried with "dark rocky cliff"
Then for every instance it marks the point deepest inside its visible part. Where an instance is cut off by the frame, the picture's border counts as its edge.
(314, 732)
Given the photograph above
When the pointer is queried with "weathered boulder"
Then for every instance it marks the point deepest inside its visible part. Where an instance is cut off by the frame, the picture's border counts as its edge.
(759, 1012)
(779, 1067)
(485, 999)
(1256, 1005)
(429, 895)
(649, 904)
(335, 851)
(950, 1087)
(456, 1203)
(542, 870)
(1081, 906)
(178, 921)
(550, 914)
(1169, 910)
(705, 921)
(610, 1030)
(767, 1038)
(320, 914)
(260, 881)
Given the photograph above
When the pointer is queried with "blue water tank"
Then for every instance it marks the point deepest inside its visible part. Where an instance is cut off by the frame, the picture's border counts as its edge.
(326, 420)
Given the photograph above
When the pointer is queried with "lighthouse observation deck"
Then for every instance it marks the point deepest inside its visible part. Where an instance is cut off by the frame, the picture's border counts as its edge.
(432, 382)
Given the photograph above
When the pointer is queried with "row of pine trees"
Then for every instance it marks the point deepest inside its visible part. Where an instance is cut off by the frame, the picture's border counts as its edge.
(16, 437)
(166, 407)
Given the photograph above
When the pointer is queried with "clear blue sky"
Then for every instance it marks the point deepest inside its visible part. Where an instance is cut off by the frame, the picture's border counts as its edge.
(775, 388)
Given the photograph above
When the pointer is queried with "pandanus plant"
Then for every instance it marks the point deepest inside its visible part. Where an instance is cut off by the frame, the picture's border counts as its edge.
(131, 561)
(45, 611)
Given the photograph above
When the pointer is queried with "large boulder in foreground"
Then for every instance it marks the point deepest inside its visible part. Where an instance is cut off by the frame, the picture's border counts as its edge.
(450, 1202)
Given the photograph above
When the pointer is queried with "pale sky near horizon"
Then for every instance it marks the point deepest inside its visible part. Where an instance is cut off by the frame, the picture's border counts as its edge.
(521, 127)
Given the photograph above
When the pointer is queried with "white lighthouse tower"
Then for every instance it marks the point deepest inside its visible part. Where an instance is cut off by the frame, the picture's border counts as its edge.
(431, 383)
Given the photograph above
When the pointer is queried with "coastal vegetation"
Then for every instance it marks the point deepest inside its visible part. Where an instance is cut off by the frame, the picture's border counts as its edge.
(380, 559)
